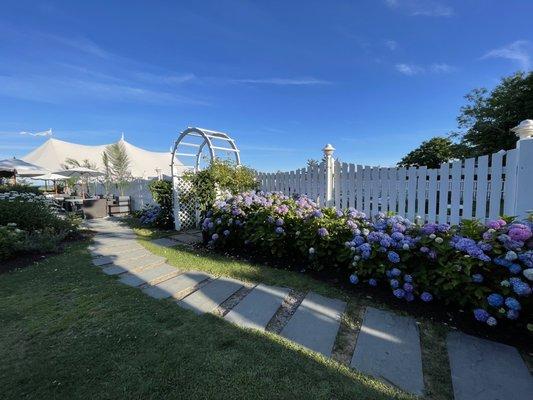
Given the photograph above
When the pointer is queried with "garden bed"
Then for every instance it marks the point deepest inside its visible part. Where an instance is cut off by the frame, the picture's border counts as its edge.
(483, 270)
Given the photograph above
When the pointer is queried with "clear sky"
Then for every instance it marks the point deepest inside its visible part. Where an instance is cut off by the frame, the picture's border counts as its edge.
(374, 78)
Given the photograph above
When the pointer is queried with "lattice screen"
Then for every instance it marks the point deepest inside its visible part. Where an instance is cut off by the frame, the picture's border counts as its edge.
(186, 213)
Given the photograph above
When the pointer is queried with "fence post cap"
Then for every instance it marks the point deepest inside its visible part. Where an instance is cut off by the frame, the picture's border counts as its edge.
(524, 130)
(328, 149)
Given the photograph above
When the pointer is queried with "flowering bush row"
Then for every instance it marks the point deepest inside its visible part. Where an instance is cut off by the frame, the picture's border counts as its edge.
(485, 268)
(29, 223)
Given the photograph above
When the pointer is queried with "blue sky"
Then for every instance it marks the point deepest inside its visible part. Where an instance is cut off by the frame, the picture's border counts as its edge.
(374, 78)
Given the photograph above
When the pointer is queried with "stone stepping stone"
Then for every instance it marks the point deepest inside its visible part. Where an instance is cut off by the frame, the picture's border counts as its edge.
(187, 238)
(113, 270)
(258, 307)
(112, 242)
(156, 274)
(131, 255)
(175, 285)
(164, 242)
(388, 347)
(485, 370)
(315, 323)
(148, 261)
(208, 297)
(106, 250)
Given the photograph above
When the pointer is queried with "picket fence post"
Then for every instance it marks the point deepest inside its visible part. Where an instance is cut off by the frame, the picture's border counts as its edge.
(330, 167)
(524, 172)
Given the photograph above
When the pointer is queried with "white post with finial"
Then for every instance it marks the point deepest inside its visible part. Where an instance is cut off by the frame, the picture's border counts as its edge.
(330, 166)
(524, 171)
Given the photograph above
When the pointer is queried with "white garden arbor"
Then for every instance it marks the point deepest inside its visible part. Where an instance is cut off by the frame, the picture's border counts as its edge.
(193, 149)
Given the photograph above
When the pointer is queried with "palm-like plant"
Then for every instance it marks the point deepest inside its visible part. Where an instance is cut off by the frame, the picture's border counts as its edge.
(117, 165)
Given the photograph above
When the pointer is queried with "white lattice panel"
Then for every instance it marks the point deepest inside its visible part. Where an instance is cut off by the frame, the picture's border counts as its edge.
(185, 213)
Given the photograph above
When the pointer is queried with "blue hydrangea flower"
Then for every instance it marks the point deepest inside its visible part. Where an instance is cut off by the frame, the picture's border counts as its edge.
(226, 232)
(409, 296)
(372, 282)
(322, 232)
(354, 279)
(426, 297)
(515, 269)
(279, 230)
(395, 272)
(394, 283)
(393, 257)
(398, 293)
(280, 222)
(408, 287)
(215, 236)
(408, 278)
(512, 314)
(491, 321)
(521, 288)
(477, 278)
(513, 304)
(481, 315)
(495, 299)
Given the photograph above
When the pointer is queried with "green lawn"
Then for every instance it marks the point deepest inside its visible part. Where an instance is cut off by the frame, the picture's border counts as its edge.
(67, 331)
(432, 335)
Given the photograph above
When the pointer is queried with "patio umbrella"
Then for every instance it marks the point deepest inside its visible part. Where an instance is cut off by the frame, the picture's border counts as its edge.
(81, 172)
(22, 168)
(50, 177)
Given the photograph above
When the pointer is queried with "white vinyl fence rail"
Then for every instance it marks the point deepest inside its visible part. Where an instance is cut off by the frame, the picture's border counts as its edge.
(482, 187)
(137, 190)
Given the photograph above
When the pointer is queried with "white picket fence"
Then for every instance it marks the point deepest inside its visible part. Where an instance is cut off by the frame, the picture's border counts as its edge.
(137, 190)
(483, 188)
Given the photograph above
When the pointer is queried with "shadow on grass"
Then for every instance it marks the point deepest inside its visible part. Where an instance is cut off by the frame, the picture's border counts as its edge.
(68, 331)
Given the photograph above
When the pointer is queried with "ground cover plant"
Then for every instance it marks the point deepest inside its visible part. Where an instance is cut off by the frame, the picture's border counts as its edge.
(486, 269)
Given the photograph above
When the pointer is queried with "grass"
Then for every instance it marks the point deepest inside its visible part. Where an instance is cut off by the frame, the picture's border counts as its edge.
(432, 335)
(67, 331)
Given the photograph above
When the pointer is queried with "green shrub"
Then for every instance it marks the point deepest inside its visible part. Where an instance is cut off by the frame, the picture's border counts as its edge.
(163, 195)
(221, 175)
(20, 188)
(29, 224)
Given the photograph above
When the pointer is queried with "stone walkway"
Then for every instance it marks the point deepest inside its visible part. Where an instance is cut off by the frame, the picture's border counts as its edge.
(387, 347)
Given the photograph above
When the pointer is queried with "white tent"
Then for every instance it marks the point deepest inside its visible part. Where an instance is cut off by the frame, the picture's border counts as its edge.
(143, 163)
(22, 168)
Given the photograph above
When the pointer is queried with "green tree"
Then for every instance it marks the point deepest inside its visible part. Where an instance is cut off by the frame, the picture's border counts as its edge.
(118, 162)
(490, 115)
(433, 152)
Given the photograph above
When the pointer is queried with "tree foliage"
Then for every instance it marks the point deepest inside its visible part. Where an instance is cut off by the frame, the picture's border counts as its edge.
(432, 153)
(489, 116)
(117, 165)
(486, 123)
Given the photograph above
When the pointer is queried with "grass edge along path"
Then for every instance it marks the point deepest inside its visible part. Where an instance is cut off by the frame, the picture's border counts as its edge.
(435, 361)
(67, 331)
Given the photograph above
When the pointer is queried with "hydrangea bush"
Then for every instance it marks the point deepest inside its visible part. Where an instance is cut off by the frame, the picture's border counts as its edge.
(29, 223)
(485, 268)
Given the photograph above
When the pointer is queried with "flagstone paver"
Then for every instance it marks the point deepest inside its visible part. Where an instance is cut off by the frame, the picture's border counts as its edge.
(175, 285)
(258, 307)
(164, 242)
(485, 370)
(123, 249)
(315, 323)
(150, 260)
(388, 347)
(159, 273)
(188, 238)
(210, 296)
(114, 270)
